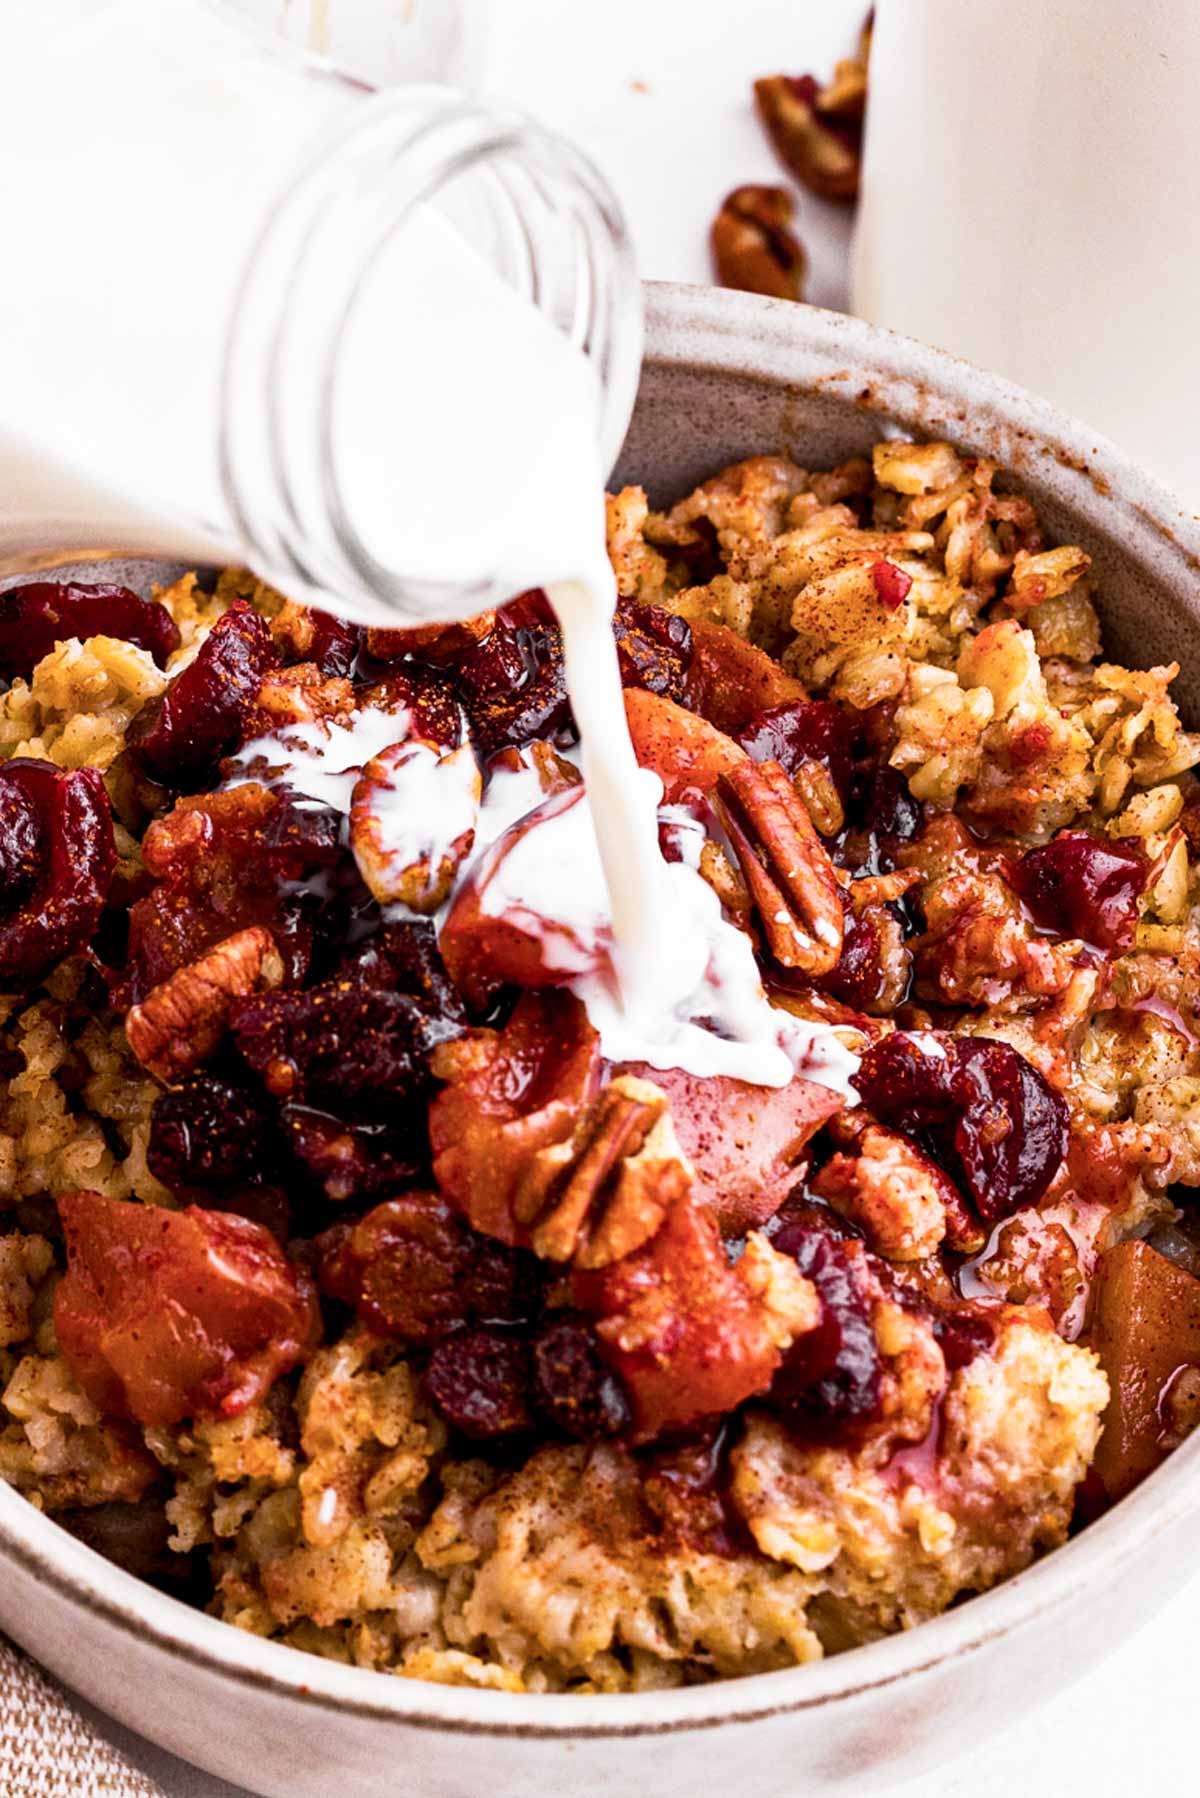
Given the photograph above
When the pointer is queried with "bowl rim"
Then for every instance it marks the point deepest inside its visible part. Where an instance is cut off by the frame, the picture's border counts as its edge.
(927, 390)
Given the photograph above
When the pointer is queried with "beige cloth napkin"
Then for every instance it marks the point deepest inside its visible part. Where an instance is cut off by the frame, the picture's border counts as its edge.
(47, 1750)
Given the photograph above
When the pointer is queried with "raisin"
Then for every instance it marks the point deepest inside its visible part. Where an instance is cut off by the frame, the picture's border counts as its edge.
(481, 1382)
(805, 731)
(358, 1161)
(1013, 1134)
(36, 616)
(654, 648)
(335, 645)
(573, 1388)
(1085, 886)
(207, 1130)
(833, 1374)
(411, 1268)
(180, 737)
(978, 1108)
(57, 854)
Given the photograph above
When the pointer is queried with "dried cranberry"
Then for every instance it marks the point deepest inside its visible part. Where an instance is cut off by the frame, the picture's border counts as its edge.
(481, 1381)
(20, 842)
(1085, 886)
(891, 584)
(335, 645)
(512, 683)
(58, 883)
(979, 1109)
(573, 1388)
(654, 648)
(1013, 1133)
(207, 1130)
(813, 730)
(833, 1373)
(353, 1050)
(892, 814)
(858, 977)
(180, 738)
(36, 616)
(962, 1335)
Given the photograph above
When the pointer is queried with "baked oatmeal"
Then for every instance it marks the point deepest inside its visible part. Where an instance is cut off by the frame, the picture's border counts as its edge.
(349, 1293)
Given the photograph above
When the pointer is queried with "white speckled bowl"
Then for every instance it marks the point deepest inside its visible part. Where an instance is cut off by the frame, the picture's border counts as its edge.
(726, 375)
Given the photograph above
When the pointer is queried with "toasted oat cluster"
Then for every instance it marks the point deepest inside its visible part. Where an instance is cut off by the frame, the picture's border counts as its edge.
(348, 1291)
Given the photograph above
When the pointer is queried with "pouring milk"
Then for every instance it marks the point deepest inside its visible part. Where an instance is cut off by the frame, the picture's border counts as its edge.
(461, 424)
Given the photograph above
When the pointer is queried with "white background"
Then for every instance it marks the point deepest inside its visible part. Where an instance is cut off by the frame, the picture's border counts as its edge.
(658, 92)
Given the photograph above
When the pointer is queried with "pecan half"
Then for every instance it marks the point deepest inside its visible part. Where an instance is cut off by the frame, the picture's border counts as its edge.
(412, 822)
(180, 1022)
(603, 1194)
(753, 246)
(791, 879)
(813, 132)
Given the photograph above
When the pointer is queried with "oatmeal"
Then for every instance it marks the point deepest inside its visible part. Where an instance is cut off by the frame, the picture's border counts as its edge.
(348, 1290)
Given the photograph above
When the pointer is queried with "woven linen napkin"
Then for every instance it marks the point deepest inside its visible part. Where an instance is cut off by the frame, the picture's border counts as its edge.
(47, 1750)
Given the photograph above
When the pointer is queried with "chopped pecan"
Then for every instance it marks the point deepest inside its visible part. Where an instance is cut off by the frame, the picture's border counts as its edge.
(602, 1195)
(180, 1022)
(434, 643)
(401, 798)
(754, 248)
(299, 695)
(792, 881)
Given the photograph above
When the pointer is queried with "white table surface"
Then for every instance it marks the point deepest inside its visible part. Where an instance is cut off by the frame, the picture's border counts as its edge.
(658, 92)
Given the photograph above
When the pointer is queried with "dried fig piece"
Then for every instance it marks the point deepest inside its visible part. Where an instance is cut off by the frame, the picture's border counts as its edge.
(754, 248)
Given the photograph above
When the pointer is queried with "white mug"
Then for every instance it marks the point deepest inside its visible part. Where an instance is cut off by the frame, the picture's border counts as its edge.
(1031, 200)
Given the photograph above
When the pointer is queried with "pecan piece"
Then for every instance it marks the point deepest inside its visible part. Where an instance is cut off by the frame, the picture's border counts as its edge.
(902, 1201)
(820, 143)
(602, 1195)
(791, 879)
(180, 1022)
(753, 246)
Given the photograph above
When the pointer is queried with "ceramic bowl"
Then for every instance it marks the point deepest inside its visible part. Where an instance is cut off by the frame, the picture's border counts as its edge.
(726, 375)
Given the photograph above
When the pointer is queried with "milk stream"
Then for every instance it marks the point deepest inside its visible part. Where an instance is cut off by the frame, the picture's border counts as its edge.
(464, 428)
